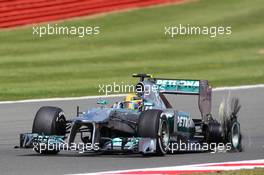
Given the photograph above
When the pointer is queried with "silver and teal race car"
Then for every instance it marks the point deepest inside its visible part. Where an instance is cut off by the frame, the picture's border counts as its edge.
(144, 122)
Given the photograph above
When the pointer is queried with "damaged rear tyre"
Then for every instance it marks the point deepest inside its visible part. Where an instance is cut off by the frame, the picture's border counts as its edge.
(235, 136)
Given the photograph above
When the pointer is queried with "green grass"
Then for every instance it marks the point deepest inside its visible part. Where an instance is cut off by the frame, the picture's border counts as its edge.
(134, 41)
(256, 171)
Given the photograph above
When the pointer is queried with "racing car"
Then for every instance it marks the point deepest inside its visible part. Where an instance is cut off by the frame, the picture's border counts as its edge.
(144, 122)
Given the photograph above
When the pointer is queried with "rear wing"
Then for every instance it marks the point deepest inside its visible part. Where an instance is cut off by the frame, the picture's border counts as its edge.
(178, 86)
(189, 87)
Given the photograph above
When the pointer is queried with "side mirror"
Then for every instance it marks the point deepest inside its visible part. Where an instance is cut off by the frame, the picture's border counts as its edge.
(102, 102)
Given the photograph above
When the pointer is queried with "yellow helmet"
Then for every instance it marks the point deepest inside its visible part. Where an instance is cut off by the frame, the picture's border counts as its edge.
(132, 101)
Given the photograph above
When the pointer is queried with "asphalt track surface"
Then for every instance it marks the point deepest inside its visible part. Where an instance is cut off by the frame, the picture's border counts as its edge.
(17, 118)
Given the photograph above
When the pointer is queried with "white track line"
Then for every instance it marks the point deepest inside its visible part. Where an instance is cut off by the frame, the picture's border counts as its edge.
(239, 87)
(194, 167)
(62, 99)
(119, 95)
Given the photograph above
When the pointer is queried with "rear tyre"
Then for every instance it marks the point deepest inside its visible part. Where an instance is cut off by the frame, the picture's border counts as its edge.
(228, 112)
(234, 136)
(153, 125)
(213, 132)
(49, 121)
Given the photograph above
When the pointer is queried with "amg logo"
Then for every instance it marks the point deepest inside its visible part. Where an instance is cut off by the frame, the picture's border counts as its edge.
(188, 83)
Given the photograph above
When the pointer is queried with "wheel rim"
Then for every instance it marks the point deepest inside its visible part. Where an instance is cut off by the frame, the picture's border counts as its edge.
(61, 125)
(164, 135)
(235, 135)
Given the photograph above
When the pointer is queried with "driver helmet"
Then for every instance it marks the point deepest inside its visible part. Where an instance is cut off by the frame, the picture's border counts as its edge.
(132, 101)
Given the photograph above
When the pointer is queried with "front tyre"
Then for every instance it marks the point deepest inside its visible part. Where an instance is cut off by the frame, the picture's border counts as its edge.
(49, 121)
